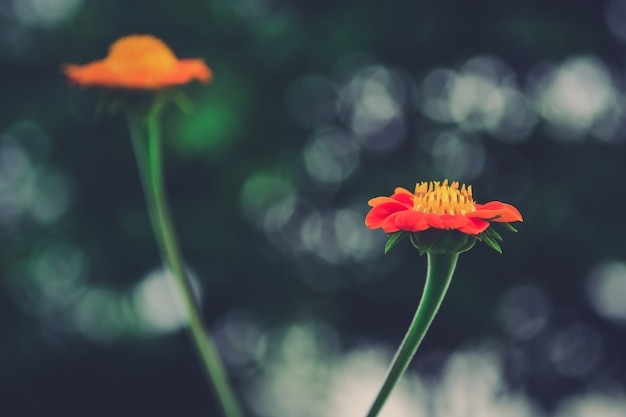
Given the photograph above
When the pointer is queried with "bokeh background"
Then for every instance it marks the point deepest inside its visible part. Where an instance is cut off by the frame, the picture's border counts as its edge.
(316, 107)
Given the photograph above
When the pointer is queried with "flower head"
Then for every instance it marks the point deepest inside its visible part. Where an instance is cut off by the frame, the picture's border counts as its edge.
(138, 62)
(439, 206)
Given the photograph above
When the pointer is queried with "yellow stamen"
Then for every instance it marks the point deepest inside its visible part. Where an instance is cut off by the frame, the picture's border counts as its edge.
(436, 198)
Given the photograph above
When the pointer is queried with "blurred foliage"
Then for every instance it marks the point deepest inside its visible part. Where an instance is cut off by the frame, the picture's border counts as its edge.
(316, 107)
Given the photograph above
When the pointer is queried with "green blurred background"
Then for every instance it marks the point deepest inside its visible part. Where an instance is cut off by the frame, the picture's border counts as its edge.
(316, 107)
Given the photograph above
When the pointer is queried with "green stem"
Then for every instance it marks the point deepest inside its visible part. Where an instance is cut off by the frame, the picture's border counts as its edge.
(149, 159)
(440, 271)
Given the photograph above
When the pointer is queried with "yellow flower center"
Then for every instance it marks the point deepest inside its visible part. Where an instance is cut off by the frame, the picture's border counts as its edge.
(140, 52)
(436, 198)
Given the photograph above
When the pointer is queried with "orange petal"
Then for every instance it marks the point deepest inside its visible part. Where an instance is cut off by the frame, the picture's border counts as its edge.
(138, 62)
(390, 225)
(474, 226)
(446, 221)
(404, 196)
(376, 201)
(411, 221)
(496, 211)
(377, 215)
(400, 195)
(186, 71)
(90, 74)
(402, 190)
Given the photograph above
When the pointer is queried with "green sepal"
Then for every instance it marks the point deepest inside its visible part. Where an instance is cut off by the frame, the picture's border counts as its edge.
(509, 227)
(393, 239)
(440, 241)
(181, 101)
(141, 103)
(488, 238)
(137, 102)
(415, 241)
(492, 233)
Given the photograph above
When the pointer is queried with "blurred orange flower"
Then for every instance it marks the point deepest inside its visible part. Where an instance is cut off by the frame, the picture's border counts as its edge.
(138, 62)
(439, 206)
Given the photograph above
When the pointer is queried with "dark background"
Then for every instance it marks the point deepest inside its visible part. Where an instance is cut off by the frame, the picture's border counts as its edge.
(316, 107)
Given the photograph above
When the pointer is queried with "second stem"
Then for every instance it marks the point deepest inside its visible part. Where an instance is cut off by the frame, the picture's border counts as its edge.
(149, 158)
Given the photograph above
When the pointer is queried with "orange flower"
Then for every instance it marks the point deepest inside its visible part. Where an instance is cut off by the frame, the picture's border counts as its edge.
(138, 62)
(438, 206)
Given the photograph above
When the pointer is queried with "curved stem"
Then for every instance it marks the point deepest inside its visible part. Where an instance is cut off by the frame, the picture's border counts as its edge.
(149, 159)
(440, 271)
